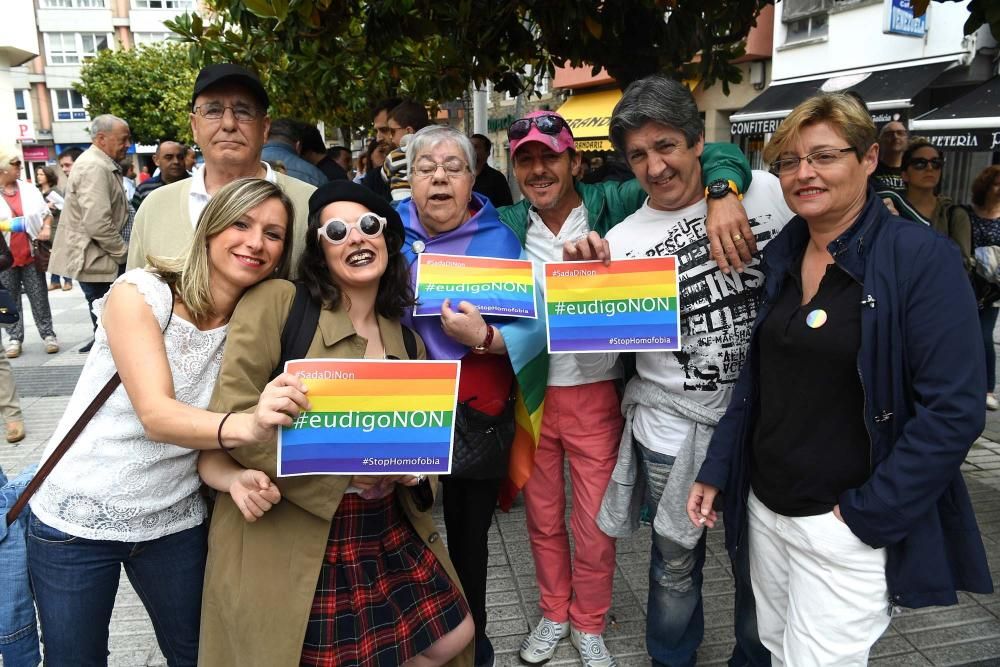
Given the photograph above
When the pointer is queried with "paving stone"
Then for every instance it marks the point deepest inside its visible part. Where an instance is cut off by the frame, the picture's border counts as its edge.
(939, 617)
(902, 660)
(962, 654)
(957, 634)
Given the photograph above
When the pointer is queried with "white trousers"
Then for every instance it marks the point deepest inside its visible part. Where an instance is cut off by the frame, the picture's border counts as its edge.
(821, 593)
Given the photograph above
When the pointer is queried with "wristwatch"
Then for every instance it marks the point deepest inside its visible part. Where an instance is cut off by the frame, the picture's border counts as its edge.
(720, 188)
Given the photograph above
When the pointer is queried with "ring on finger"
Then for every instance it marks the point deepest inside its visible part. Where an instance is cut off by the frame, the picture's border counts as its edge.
(737, 237)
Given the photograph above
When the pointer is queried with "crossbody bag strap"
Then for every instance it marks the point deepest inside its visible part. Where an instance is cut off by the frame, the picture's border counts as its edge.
(71, 436)
(63, 447)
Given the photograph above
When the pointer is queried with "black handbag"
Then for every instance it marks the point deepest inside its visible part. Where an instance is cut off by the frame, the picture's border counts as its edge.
(482, 442)
(9, 314)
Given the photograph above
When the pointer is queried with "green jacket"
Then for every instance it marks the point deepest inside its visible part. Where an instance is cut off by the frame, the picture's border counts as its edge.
(609, 203)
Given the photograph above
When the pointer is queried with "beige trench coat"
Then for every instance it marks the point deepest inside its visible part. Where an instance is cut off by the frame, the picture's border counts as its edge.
(90, 246)
(261, 576)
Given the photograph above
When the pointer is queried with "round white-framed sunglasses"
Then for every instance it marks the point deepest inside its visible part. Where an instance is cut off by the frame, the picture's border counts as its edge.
(335, 230)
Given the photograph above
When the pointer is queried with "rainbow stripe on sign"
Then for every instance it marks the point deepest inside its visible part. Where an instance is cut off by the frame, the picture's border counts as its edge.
(494, 286)
(372, 417)
(630, 305)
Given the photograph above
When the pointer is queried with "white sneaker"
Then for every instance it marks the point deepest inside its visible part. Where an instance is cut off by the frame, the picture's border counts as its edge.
(539, 646)
(992, 403)
(13, 349)
(51, 344)
(593, 652)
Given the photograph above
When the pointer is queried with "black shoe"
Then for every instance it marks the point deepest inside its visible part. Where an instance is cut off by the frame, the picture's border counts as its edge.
(86, 348)
(485, 657)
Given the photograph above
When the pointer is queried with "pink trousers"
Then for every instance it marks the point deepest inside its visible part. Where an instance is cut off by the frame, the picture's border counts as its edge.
(584, 425)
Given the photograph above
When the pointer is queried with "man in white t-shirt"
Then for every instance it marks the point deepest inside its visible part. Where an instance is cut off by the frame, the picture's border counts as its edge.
(676, 398)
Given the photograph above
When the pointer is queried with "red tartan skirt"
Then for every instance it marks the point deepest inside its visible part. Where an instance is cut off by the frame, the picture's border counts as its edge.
(382, 597)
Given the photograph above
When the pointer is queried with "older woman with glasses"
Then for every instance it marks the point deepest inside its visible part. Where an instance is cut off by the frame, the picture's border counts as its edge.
(839, 456)
(922, 168)
(501, 358)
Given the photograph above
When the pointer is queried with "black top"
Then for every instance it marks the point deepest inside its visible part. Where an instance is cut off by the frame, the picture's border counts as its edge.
(332, 170)
(373, 181)
(810, 442)
(492, 185)
(888, 178)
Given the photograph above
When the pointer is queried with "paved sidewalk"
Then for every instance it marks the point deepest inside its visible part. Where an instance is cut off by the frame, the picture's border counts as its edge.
(967, 634)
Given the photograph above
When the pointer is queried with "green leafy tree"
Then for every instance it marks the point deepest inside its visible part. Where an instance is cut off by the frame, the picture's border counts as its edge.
(332, 59)
(148, 86)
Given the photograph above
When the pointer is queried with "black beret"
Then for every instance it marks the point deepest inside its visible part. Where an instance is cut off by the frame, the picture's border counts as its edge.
(341, 190)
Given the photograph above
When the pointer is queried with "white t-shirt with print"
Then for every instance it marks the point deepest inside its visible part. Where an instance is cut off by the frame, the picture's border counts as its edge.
(717, 310)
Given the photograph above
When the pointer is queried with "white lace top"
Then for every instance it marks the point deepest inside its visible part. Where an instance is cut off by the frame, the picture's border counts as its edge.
(114, 483)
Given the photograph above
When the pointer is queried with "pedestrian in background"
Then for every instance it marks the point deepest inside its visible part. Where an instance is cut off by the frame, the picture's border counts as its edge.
(10, 406)
(985, 218)
(47, 181)
(22, 199)
(90, 246)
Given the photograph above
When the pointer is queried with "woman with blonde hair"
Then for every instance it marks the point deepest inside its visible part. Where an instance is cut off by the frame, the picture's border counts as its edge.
(126, 494)
(22, 200)
(839, 456)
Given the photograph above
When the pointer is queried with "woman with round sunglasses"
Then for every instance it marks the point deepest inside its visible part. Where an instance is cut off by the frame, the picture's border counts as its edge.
(344, 570)
(922, 167)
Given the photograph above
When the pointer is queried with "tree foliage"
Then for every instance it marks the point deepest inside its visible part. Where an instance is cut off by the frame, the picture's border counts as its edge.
(148, 86)
(332, 59)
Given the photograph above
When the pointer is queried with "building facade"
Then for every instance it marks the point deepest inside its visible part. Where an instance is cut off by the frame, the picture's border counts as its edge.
(51, 115)
(914, 70)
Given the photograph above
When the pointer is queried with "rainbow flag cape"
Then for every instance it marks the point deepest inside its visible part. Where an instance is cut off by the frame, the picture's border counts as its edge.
(484, 235)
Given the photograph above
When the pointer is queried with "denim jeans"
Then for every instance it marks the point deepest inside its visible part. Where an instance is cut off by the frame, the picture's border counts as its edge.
(18, 633)
(76, 579)
(988, 321)
(675, 621)
(92, 292)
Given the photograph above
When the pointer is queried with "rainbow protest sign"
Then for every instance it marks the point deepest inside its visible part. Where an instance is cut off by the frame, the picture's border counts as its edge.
(628, 306)
(494, 286)
(372, 417)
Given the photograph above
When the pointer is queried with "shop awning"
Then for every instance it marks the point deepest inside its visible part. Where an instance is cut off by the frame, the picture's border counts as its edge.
(589, 115)
(972, 122)
(881, 90)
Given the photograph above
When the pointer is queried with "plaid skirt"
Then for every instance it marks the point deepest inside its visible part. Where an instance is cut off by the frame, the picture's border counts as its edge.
(382, 596)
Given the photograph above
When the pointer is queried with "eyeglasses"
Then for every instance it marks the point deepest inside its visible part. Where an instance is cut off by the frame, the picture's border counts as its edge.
(548, 124)
(453, 168)
(819, 159)
(336, 231)
(921, 163)
(214, 111)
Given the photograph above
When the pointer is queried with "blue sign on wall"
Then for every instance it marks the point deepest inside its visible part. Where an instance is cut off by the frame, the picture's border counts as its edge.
(899, 19)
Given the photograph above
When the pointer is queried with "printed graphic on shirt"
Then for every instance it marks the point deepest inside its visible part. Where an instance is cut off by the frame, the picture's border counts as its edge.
(717, 309)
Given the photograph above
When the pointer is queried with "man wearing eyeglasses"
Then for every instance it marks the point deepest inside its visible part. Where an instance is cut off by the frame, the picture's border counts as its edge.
(582, 420)
(230, 122)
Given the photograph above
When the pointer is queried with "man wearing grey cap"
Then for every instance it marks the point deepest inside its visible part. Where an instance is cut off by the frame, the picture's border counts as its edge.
(229, 121)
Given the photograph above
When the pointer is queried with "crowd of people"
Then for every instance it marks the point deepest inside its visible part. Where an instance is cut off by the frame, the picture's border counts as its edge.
(836, 458)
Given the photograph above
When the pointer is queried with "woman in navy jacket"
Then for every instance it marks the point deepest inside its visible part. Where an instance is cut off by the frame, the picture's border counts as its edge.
(839, 456)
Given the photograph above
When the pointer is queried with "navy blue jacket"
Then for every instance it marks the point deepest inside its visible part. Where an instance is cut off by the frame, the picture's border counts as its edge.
(923, 383)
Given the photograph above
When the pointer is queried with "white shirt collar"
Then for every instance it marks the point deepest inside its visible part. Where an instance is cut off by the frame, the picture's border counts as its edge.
(199, 196)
